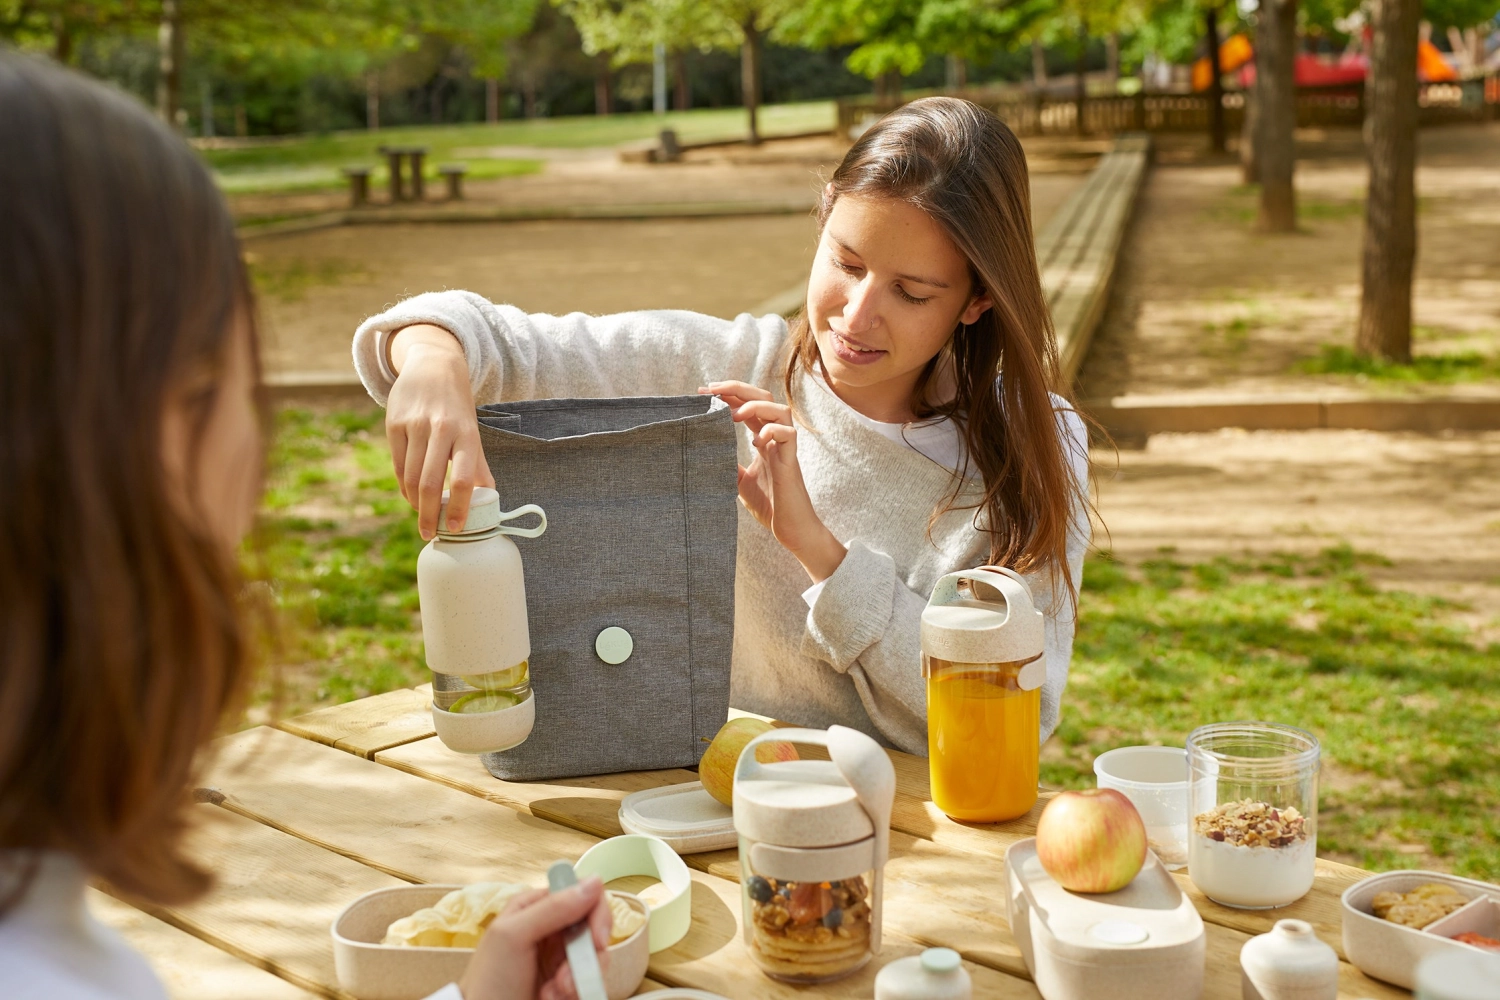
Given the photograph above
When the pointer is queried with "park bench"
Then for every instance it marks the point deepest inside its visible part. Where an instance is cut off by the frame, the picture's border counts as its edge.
(359, 185)
(362, 796)
(453, 174)
(1076, 252)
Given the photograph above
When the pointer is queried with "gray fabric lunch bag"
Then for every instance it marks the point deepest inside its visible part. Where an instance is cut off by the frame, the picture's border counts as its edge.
(642, 513)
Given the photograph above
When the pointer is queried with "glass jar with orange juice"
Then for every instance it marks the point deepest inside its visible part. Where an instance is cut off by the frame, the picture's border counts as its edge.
(982, 644)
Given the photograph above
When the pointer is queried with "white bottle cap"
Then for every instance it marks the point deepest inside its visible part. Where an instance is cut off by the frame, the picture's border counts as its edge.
(484, 513)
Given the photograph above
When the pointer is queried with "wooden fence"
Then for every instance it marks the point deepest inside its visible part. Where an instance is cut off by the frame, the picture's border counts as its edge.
(1317, 107)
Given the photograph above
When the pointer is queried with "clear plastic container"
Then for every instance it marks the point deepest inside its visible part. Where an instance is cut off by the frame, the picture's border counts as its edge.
(1155, 780)
(1253, 799)
(810, 930)
(983, 739)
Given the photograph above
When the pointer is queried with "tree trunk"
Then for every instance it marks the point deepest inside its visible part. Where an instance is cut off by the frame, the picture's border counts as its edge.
(682, 96)
(659, 79)
(1038, 64)
(241, 121)
(528, 96)
(1080, 83)
(1250, 138)
(750, 78)
(169, 62)
(601, 84)
(1390, 250)
(435, 102)
(62, 39)
(1112, 58)
(206, 112)
(372, 101)
(1216, 136)
(958, 72)
(1276, 46)
(491, 99)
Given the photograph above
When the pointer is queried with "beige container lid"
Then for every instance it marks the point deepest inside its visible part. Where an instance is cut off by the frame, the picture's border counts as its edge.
(815, 803)
(1004, 628)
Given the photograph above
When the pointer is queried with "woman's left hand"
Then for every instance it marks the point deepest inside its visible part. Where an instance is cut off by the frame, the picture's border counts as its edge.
(772, 487)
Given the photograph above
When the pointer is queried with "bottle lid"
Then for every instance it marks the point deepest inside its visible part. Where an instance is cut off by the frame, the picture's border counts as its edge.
(816, 803)
(997, 623)
(940, 960)
(484, 513)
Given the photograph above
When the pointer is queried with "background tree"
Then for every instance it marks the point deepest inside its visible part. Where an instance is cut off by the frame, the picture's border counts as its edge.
(1276, 93)
(1390, 245)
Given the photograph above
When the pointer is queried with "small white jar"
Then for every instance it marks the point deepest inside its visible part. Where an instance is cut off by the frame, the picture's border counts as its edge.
(936, 974)
(1289, 963)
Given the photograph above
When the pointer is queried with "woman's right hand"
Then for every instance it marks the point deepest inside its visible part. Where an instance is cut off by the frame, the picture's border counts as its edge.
(430, 423)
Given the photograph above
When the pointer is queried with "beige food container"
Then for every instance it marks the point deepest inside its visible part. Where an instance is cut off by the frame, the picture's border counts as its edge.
(473, 596)
(369, 970)
(814, 837)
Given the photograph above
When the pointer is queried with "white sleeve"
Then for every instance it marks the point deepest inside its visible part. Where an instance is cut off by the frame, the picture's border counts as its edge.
(449, 992)
(517, 355)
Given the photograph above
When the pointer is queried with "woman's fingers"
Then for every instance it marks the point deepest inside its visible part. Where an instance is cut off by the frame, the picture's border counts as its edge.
(744, 390)
(758, 412)
(411, 467)
(560, 986)
(559, 910)
(469, 470)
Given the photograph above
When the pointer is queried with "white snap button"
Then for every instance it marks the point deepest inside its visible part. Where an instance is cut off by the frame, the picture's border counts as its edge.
(1118, 932)
(614, 645)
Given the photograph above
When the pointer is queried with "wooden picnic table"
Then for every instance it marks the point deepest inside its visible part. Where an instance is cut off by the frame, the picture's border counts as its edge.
(303, 818)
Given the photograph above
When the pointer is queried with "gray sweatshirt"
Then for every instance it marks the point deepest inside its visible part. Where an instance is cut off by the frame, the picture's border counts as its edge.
(853, 657)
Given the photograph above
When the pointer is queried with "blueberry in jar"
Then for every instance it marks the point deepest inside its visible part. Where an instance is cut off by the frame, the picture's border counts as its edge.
(760, 889)
(833, 918)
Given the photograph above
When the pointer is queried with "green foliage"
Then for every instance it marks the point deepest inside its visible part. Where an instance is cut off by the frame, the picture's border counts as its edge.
(1467, 366)
(1402, 699)
(629, 31)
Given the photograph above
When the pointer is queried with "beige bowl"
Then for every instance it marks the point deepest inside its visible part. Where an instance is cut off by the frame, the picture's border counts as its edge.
(373, 971)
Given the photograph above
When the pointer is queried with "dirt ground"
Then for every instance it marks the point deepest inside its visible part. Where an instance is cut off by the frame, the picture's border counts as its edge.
(317, 286)
(1430, 504)
(1203, 305)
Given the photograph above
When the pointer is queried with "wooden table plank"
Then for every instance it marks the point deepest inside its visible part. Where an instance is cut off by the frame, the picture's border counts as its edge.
(424, 831)
(189, 968)
(274, 899)
(369, 725)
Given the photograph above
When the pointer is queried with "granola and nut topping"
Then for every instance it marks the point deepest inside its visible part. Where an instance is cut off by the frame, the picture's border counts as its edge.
(1423, 905)
(809, 929)
(1248, 823)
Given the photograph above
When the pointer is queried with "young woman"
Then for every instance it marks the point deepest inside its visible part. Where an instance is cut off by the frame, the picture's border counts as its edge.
(130, 457)
(901, 428)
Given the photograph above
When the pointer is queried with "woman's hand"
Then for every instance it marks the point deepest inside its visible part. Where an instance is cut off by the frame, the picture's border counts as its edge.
(772, 488)
(430, 422)
(522, 955)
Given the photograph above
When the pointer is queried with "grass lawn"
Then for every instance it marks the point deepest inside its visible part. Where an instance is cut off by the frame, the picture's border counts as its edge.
(1403, 700)
(1461, 366)
(312, 162)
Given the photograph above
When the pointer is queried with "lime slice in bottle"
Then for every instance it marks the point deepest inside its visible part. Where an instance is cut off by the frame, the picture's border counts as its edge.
(483, 701)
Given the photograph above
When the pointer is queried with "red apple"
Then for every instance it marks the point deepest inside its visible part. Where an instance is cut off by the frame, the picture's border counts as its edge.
(1091, 841)
(716, 769)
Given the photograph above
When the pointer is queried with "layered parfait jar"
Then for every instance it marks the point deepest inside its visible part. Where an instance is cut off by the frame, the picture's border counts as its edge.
(1253, 807)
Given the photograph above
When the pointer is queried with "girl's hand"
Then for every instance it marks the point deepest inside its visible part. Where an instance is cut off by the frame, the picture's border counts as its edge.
(772, 488)
(521, 955)
(430, 422)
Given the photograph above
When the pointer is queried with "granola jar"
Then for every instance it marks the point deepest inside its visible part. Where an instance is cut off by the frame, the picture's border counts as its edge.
(1253, 808)
(813, 836)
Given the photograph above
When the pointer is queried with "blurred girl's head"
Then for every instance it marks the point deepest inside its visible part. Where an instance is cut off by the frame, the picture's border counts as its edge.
(130, 462)
(926, 282)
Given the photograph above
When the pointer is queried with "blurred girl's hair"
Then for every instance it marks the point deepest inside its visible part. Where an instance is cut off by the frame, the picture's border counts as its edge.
(122, 643)
(962, 166)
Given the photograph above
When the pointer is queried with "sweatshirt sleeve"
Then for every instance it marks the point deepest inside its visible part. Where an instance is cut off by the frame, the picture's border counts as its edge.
(865, 621)
(517, 355)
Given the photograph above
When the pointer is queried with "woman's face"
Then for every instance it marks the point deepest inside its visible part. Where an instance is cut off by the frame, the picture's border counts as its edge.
(219, 474)
(887, 290)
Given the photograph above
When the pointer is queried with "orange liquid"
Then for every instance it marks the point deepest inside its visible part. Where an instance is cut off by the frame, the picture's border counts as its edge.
(982, 736)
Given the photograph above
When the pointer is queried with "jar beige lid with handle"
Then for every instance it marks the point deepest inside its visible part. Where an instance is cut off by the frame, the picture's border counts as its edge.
(993, 620)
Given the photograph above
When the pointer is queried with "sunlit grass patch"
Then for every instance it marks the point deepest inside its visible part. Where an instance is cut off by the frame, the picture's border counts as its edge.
(1465, 366)
(1403, 701)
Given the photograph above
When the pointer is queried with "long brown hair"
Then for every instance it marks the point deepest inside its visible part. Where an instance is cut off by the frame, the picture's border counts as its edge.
(964, 168)
(121, 638)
